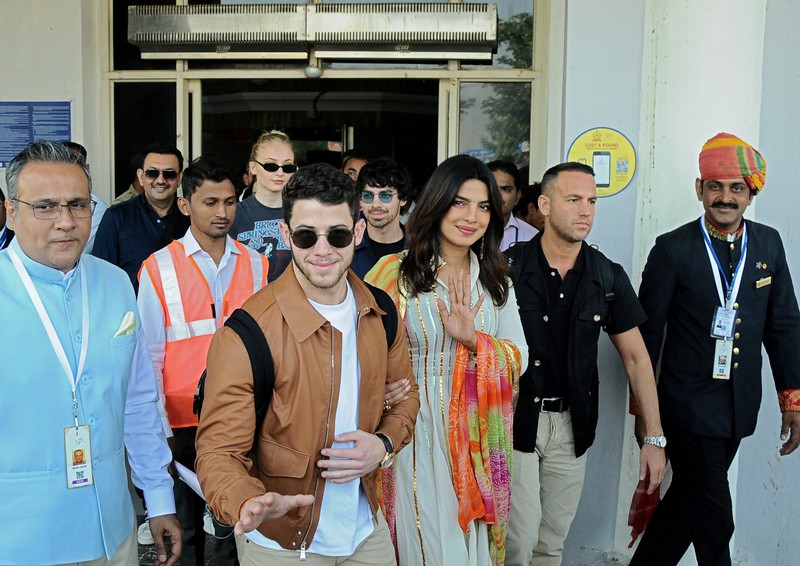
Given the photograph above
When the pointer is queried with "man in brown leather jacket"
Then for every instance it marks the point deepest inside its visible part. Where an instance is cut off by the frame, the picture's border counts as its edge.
(310, 487)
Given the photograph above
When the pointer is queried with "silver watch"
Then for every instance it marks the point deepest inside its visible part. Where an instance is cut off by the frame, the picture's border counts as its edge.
(658, 441)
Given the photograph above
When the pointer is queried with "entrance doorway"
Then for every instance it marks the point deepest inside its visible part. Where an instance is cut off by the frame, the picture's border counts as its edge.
(382, 117)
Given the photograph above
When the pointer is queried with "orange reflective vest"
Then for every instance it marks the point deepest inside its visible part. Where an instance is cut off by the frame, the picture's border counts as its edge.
(189, 320)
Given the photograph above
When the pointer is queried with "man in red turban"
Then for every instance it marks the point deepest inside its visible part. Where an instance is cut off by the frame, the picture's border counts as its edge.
(720, 288)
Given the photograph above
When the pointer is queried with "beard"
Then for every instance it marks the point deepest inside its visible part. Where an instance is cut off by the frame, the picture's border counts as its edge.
(387, 219)
(319, 280)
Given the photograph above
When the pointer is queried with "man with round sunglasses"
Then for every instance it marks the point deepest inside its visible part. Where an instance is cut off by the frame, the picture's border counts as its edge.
(308, 489)
(384, 187)
(132, 230)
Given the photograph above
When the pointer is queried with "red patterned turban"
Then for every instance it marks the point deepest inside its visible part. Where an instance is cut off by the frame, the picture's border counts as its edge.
(727, 157)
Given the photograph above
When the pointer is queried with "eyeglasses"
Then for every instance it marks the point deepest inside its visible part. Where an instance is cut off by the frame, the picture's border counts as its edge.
(169, 174)
(337, 237)
(272, 167)
(384, 196)
(51, 211)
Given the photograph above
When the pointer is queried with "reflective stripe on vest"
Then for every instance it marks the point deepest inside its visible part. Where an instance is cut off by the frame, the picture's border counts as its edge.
(191, 329)
(178, 328)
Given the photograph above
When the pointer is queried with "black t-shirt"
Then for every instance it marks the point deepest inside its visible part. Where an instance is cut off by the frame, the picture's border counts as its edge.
(256, 226)
(381, 249)
(625, 313)
(560, 297)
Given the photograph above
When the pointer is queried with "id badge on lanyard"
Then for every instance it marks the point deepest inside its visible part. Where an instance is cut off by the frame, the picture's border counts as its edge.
(723, 323)
(77, 442)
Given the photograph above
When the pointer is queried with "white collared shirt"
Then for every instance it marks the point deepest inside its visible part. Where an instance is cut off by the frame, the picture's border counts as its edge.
(515, 232)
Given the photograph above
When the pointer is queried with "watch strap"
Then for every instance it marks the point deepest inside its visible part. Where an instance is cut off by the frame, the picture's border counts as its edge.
(658, 441)
(387, 443)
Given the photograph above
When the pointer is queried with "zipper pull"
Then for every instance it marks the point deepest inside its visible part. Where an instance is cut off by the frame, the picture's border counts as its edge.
(303, 552)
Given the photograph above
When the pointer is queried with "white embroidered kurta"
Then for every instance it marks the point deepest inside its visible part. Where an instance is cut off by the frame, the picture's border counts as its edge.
(428, 532)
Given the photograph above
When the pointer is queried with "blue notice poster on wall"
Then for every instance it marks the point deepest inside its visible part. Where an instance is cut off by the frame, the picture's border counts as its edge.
(24, 122)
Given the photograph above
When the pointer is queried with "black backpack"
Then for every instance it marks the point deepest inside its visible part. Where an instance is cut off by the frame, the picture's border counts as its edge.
(260, 355)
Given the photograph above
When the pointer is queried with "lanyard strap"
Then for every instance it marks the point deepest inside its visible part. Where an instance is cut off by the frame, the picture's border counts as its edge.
(4, 237)
(730, 291)
(50, 329)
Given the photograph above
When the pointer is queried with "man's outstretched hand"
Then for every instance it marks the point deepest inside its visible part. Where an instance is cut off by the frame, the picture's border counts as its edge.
(266, 507)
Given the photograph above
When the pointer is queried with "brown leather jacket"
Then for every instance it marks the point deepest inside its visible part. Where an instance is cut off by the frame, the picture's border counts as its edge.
(306, 351)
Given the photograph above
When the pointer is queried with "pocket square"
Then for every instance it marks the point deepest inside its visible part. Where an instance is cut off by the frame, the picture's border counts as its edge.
(127, 326)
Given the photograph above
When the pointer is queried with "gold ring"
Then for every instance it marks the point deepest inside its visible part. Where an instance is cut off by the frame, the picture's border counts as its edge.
(386, 405)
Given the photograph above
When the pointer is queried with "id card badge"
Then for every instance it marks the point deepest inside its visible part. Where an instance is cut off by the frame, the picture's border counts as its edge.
(78, 451)
(722, 326)
(723, 352)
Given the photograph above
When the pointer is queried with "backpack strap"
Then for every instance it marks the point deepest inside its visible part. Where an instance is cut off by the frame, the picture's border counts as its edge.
(389, 320)
(606, 275)
(605, 272)
(260, 355)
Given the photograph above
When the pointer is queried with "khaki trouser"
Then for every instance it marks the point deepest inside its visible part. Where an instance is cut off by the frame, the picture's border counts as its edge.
(127, 555)
(546, 489)
(376, 550)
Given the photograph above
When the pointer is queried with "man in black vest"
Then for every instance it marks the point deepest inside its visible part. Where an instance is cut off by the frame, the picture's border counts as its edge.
(566, 292)
(721, 288)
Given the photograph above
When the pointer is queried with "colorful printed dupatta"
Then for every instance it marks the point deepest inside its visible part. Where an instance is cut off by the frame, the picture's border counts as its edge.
(480, 429)
(480, 432)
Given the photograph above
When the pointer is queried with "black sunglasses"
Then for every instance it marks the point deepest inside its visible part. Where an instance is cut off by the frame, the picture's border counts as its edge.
(305, 238)
(169, 174)
(384, 196)
(272, 167)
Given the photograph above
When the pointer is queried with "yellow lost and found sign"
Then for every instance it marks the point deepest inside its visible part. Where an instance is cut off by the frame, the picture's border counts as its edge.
(610, 154)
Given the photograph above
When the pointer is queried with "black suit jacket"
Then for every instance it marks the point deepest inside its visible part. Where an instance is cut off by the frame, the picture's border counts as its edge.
(679, 295)
(9, 235)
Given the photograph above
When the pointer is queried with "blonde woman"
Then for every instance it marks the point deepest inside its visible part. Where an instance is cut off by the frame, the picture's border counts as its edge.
(447, 498)
(257, 217)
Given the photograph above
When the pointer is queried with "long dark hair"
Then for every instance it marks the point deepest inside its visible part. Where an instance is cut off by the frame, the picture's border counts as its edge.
(419, 266)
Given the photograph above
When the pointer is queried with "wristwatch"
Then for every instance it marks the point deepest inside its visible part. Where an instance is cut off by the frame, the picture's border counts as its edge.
(657, 441)
(388, 459)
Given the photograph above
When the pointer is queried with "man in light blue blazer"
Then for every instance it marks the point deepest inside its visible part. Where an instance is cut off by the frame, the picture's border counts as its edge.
(77, 385)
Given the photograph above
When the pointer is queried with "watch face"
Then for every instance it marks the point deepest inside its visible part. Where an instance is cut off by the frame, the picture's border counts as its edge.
(388, 460)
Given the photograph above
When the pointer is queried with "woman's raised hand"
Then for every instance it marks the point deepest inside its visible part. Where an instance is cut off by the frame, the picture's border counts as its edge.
(459, 321)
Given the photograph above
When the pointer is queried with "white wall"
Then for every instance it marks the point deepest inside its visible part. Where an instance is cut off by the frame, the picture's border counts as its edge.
(768, 495)
(602, 88)
(51, 52)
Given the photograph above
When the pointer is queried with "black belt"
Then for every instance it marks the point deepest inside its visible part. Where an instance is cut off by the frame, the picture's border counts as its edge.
(554, 405)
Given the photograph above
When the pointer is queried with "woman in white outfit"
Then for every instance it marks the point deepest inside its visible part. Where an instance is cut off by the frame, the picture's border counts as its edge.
(447, 498)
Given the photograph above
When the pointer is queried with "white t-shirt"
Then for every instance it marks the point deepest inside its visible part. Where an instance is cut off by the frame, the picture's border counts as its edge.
(345, 518)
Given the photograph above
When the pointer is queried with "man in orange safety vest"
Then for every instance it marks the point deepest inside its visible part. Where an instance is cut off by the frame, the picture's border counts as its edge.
(186, 291)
